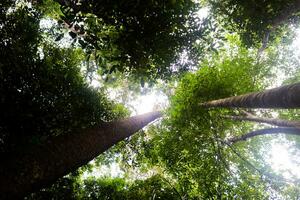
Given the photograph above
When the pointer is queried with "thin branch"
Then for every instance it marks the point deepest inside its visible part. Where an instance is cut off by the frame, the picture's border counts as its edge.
(223, 161)
(247, 113)
(267, 131)
(271, 121)
(242, 158)
(263, 175)
(264, 44)
(269, 177)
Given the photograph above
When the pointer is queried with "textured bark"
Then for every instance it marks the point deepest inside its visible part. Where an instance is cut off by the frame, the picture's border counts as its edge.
(42, 165)
(267, 131)
(271, 121)
(287, 96)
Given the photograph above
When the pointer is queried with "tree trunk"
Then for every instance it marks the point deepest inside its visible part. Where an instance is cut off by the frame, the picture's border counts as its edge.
(40, 166)
(287, 96)
(267, 131)
(275, 122)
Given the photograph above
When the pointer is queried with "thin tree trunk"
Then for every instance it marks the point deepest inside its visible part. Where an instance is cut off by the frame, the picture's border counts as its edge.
(287, 96)
(267, 131)
(271, 121)
(40, 166)
(264, 44)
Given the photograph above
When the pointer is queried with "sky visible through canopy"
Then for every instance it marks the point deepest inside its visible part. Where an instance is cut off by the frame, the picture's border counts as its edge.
(142, 99)
(281, 155)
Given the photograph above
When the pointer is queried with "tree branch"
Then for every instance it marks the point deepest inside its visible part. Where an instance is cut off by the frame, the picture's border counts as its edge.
(271, 121)
(267, 131)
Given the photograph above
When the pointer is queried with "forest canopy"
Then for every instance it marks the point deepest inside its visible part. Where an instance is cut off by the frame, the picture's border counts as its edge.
(226, 74)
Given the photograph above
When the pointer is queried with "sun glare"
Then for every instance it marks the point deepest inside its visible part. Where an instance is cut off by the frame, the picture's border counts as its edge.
(283, 158)
(202, 13)
(149, 102)
(111, 170)
(296, 42)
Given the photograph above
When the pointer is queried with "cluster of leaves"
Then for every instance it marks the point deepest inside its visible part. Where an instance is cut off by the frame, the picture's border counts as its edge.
(230, 72)
(188, 144)
(254, 19)
(43, 91)
(140, 38)
(191, 143)
(71, 187)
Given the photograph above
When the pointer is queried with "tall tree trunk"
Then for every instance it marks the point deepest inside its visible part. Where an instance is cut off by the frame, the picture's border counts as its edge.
(267, 131)
(271, 121)
(287, 96)
(41, 165)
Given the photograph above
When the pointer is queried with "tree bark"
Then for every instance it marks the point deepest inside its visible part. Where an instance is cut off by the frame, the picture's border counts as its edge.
(267, 131)
(271, 121)
(287, 96)
(41, 165)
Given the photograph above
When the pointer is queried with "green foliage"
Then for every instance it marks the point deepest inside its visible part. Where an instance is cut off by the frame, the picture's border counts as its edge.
(254, 19)
(139, 38)
(188, 143)
(231, 72)
(50, 9)
(43, 91)
(44, 94)
(154, 187)
(104, 188)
